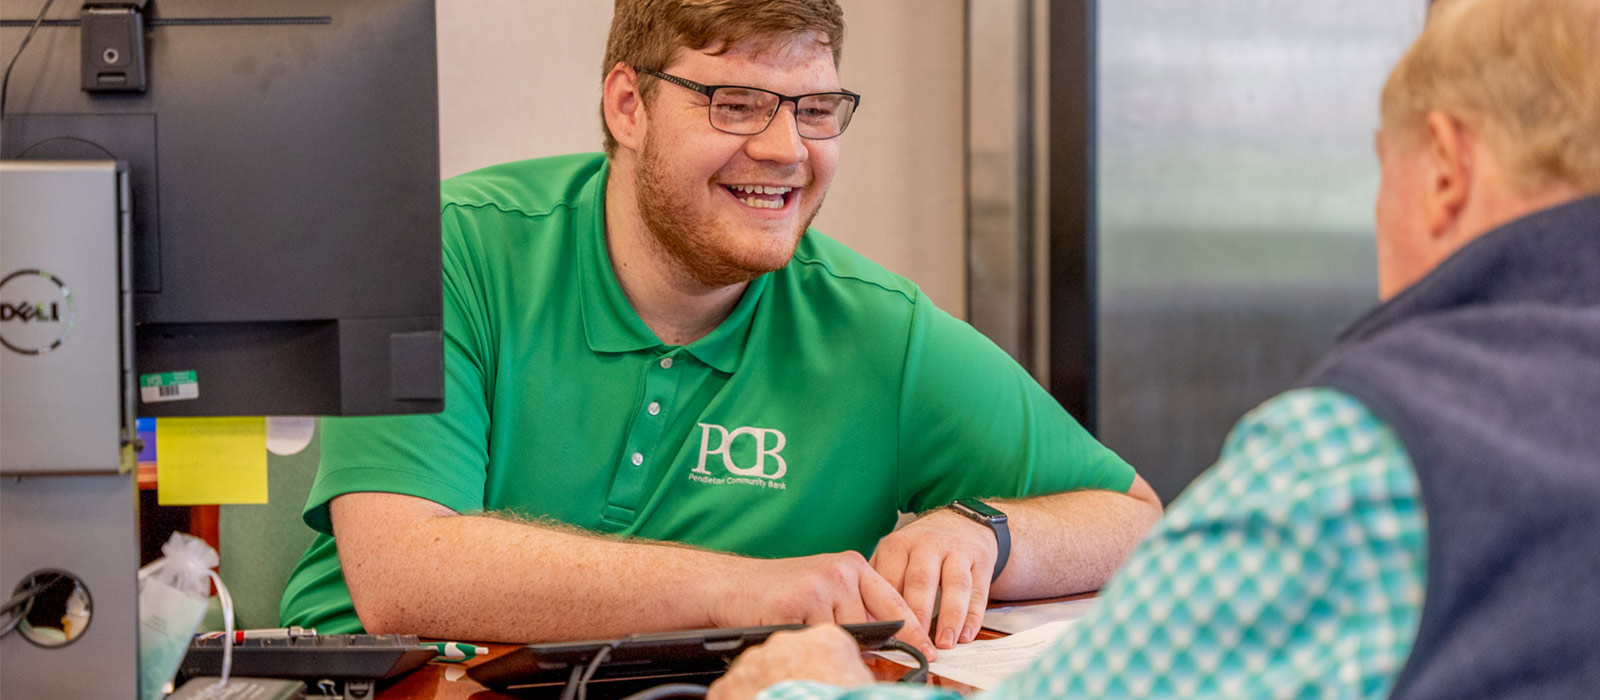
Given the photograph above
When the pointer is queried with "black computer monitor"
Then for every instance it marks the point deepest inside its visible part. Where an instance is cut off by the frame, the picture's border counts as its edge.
(284, 166)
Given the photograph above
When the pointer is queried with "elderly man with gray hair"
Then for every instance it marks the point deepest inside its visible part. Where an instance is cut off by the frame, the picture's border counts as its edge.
(1301, 565)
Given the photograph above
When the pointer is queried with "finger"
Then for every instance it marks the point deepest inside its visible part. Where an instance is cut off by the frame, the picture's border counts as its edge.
(979, 602)
(884, 603)
(739, 682)
(889, 560)
(722, 688)
(820, 615)
(745, 677)
(850, 608)
(956, 584)
(921, 584)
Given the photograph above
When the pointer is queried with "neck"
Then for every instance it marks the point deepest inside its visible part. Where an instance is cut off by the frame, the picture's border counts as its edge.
(1496, 211)
(1497, 199)
(676, 306)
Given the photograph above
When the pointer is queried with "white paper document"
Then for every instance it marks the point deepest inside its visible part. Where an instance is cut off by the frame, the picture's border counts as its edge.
(984, 663)
(1020, 618)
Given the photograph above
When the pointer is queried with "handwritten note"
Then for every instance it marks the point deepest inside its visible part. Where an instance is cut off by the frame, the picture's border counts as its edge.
(206, 461)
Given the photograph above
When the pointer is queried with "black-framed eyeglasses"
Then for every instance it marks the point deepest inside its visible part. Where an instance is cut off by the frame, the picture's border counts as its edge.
(747, 111)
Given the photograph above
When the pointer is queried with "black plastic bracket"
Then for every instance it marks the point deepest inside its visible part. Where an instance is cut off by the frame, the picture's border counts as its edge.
(112, 35)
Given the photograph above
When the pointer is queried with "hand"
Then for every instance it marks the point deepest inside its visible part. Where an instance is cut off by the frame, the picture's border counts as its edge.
(822, 589)
(825, 654)
(941, 551)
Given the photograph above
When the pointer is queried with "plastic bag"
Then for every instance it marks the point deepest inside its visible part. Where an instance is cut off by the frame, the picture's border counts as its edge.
(172, 601)
(77, 616)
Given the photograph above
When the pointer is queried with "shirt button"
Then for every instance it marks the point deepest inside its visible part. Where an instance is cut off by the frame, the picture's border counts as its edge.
(655, 408)
(666, 363)
(638, 459)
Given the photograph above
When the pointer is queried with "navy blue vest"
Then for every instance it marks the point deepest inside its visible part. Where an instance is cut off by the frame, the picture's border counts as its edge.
(1489, 371)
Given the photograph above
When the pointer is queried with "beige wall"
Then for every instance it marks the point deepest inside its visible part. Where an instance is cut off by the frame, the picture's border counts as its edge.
(521, 79)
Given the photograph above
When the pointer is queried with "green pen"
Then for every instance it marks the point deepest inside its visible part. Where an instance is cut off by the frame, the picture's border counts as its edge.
(456, 651)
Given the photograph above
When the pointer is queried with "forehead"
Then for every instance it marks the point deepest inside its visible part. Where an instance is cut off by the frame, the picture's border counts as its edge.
(799, 65)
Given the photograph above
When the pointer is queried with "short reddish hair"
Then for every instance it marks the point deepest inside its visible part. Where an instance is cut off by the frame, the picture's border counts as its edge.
(648, 33)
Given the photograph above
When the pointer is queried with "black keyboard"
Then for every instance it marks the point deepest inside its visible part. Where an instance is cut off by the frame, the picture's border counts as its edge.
(695, 656)
(351, 663)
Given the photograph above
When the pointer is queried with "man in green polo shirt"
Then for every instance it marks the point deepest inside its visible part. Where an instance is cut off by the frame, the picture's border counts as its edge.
(669, 404)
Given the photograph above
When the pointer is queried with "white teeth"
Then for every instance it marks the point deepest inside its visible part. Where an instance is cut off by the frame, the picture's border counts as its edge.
(762, 202)
(760, 189)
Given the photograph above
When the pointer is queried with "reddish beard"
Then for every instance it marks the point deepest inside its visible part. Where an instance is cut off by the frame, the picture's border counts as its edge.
(691, 237)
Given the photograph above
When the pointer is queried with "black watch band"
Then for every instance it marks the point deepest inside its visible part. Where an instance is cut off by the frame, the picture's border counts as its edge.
(992, 518)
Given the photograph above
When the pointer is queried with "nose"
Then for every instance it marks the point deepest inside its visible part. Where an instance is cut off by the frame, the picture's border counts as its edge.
(781, 141)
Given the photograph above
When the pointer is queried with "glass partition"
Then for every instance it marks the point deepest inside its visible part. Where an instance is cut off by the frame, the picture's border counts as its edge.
(1235, 184)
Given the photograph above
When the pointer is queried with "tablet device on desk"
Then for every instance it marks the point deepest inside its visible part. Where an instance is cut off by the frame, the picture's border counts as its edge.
(665, 656)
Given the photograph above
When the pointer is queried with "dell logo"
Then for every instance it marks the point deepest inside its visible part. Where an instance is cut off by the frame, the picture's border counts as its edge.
(26, 312)
(36, 312)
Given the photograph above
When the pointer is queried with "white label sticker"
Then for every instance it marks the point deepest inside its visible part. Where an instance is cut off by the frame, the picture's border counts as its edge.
(168, 386)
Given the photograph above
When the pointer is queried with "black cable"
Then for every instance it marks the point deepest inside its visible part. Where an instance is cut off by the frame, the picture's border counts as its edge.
(26, 595)
(915, 675)
(24, 599)
(5, 82)
(670, 690)
(16, 616)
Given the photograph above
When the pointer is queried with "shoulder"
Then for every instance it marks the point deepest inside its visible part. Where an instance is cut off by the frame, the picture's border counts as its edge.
(1316, 452)
(1308, 418)
(822, 264)
(532, 188)
(1317, 427)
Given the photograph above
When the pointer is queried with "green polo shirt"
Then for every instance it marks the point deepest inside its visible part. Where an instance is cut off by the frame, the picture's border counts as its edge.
(834, 396)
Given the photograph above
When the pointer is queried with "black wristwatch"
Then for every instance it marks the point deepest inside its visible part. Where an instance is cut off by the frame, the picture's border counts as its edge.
(993, 519)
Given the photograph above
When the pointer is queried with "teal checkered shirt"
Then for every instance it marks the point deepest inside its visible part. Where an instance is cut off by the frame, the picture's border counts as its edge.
(1293, 568)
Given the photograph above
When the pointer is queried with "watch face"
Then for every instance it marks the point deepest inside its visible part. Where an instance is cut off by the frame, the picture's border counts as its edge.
(981, 510)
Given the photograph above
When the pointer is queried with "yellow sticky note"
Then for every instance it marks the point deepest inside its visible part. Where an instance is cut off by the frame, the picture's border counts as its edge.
(205, 461)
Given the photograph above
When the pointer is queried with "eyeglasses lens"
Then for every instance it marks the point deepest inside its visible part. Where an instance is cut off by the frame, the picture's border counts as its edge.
(745, 111)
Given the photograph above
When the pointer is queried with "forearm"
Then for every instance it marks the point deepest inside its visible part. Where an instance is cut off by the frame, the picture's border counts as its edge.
(414, 566)
(482, 578)
(1072, 542)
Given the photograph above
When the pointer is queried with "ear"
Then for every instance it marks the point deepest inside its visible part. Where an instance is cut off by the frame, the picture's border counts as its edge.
(1449, 182)
(623, 106)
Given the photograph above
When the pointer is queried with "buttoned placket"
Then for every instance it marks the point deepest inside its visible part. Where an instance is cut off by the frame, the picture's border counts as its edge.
(632, 479)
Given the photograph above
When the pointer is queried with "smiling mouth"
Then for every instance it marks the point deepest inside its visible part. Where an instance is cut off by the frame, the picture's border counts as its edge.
(762, 196)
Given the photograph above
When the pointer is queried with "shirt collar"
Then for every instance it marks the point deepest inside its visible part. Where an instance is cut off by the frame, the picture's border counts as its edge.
(609, 322)
(723, 347)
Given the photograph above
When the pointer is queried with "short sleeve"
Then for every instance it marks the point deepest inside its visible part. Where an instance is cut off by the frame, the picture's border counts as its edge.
(974, 423)
(440, 457)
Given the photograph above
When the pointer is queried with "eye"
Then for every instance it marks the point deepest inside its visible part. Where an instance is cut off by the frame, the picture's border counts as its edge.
(737, 101)
(818, 108)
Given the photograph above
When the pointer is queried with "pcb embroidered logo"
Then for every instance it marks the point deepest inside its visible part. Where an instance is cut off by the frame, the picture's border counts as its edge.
(745, 453)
